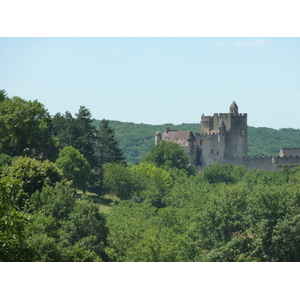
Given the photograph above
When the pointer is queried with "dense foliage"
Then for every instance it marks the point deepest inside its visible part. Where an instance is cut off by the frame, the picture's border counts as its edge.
(74, 166)
(256, 218)
(25, 128)
(156, 210)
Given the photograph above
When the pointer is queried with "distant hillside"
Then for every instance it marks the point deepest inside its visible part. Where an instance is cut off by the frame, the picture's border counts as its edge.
(264, 141)
(137, 139)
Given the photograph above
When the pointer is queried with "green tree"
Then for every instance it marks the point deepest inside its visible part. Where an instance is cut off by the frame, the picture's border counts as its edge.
(74, 166)
(107, 151)
(63, 128)
(42, 238)
(286, 238)
(168, 155)
(152, 183)
(140, 232)
(62, 228)
(107, 146)
(12, 222)
(3, 95)
(55, 201)
(270, 209)
(83, 236)
(78, 132)
(5, 161)
(127, 223)
(119, 180)
(217, 173)
(49, 209)
(25, 129)
(33, 174)
(85, 132)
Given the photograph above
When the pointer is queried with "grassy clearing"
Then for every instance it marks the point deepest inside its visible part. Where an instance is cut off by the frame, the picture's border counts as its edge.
(104, 201)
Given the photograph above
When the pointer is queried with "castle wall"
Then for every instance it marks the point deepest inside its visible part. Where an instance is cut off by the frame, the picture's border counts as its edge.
(191, 152)
(237, 136)
(280, 162)
(264, 163)
(208, 148)
(229, 145)
(207, 124)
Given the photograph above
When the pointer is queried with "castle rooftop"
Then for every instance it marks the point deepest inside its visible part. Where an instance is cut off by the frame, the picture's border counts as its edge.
(233, 105)
(289, 152)
(179, 137)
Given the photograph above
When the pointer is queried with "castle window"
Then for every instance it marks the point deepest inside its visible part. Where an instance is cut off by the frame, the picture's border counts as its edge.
(201, 151)
(211, 151)
(242, 132)
(200, 142)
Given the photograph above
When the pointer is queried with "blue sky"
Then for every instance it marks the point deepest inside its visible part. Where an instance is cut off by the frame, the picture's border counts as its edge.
(158, 80)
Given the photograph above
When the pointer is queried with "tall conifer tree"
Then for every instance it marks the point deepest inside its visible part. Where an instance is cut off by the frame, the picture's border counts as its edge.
(107, 149)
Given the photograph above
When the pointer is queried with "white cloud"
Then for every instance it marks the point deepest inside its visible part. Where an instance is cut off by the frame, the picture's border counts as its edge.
(220, 44)
(240, 43)
(254, 42)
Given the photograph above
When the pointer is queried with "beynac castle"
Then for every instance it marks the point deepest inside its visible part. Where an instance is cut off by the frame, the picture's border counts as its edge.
(223, 139)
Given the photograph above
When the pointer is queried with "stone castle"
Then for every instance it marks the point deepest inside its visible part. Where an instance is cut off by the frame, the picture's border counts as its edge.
(223, 139)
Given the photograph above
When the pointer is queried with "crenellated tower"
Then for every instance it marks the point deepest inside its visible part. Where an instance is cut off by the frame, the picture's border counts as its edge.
(231, 129)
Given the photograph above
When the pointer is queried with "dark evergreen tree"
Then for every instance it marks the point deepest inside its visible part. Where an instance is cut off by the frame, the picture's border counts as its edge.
(3, 95)
(85, 132)
(78, 132)
(107, 146)
(107, 151)
(63, 129)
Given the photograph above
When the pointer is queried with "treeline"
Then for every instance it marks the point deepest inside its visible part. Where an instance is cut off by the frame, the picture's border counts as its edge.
(137, 139)
(78, 147)
(44, 160)
(162, 211)
(159, 209)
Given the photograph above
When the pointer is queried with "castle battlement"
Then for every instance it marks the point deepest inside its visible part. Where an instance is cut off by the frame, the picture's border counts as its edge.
(207, 134)
(225, 115)
(207, 118)
(220, 115)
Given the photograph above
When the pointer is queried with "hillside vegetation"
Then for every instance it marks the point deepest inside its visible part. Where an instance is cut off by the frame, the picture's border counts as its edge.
(67, 194)
(137, 139)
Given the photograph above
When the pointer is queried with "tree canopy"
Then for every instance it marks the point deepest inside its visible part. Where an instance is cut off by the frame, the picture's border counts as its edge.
(169, 155)
(25, 129)
(77, 132)
(155, 210)
(74, 166)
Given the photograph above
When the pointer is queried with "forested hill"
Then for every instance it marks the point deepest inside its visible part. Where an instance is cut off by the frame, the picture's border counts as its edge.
(137, 139)
(264, 141)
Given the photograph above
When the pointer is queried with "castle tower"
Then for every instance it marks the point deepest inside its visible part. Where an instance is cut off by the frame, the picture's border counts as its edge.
(237, 136)
(234, 109)
(221, 139)
(157, 137)
(222, 132)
